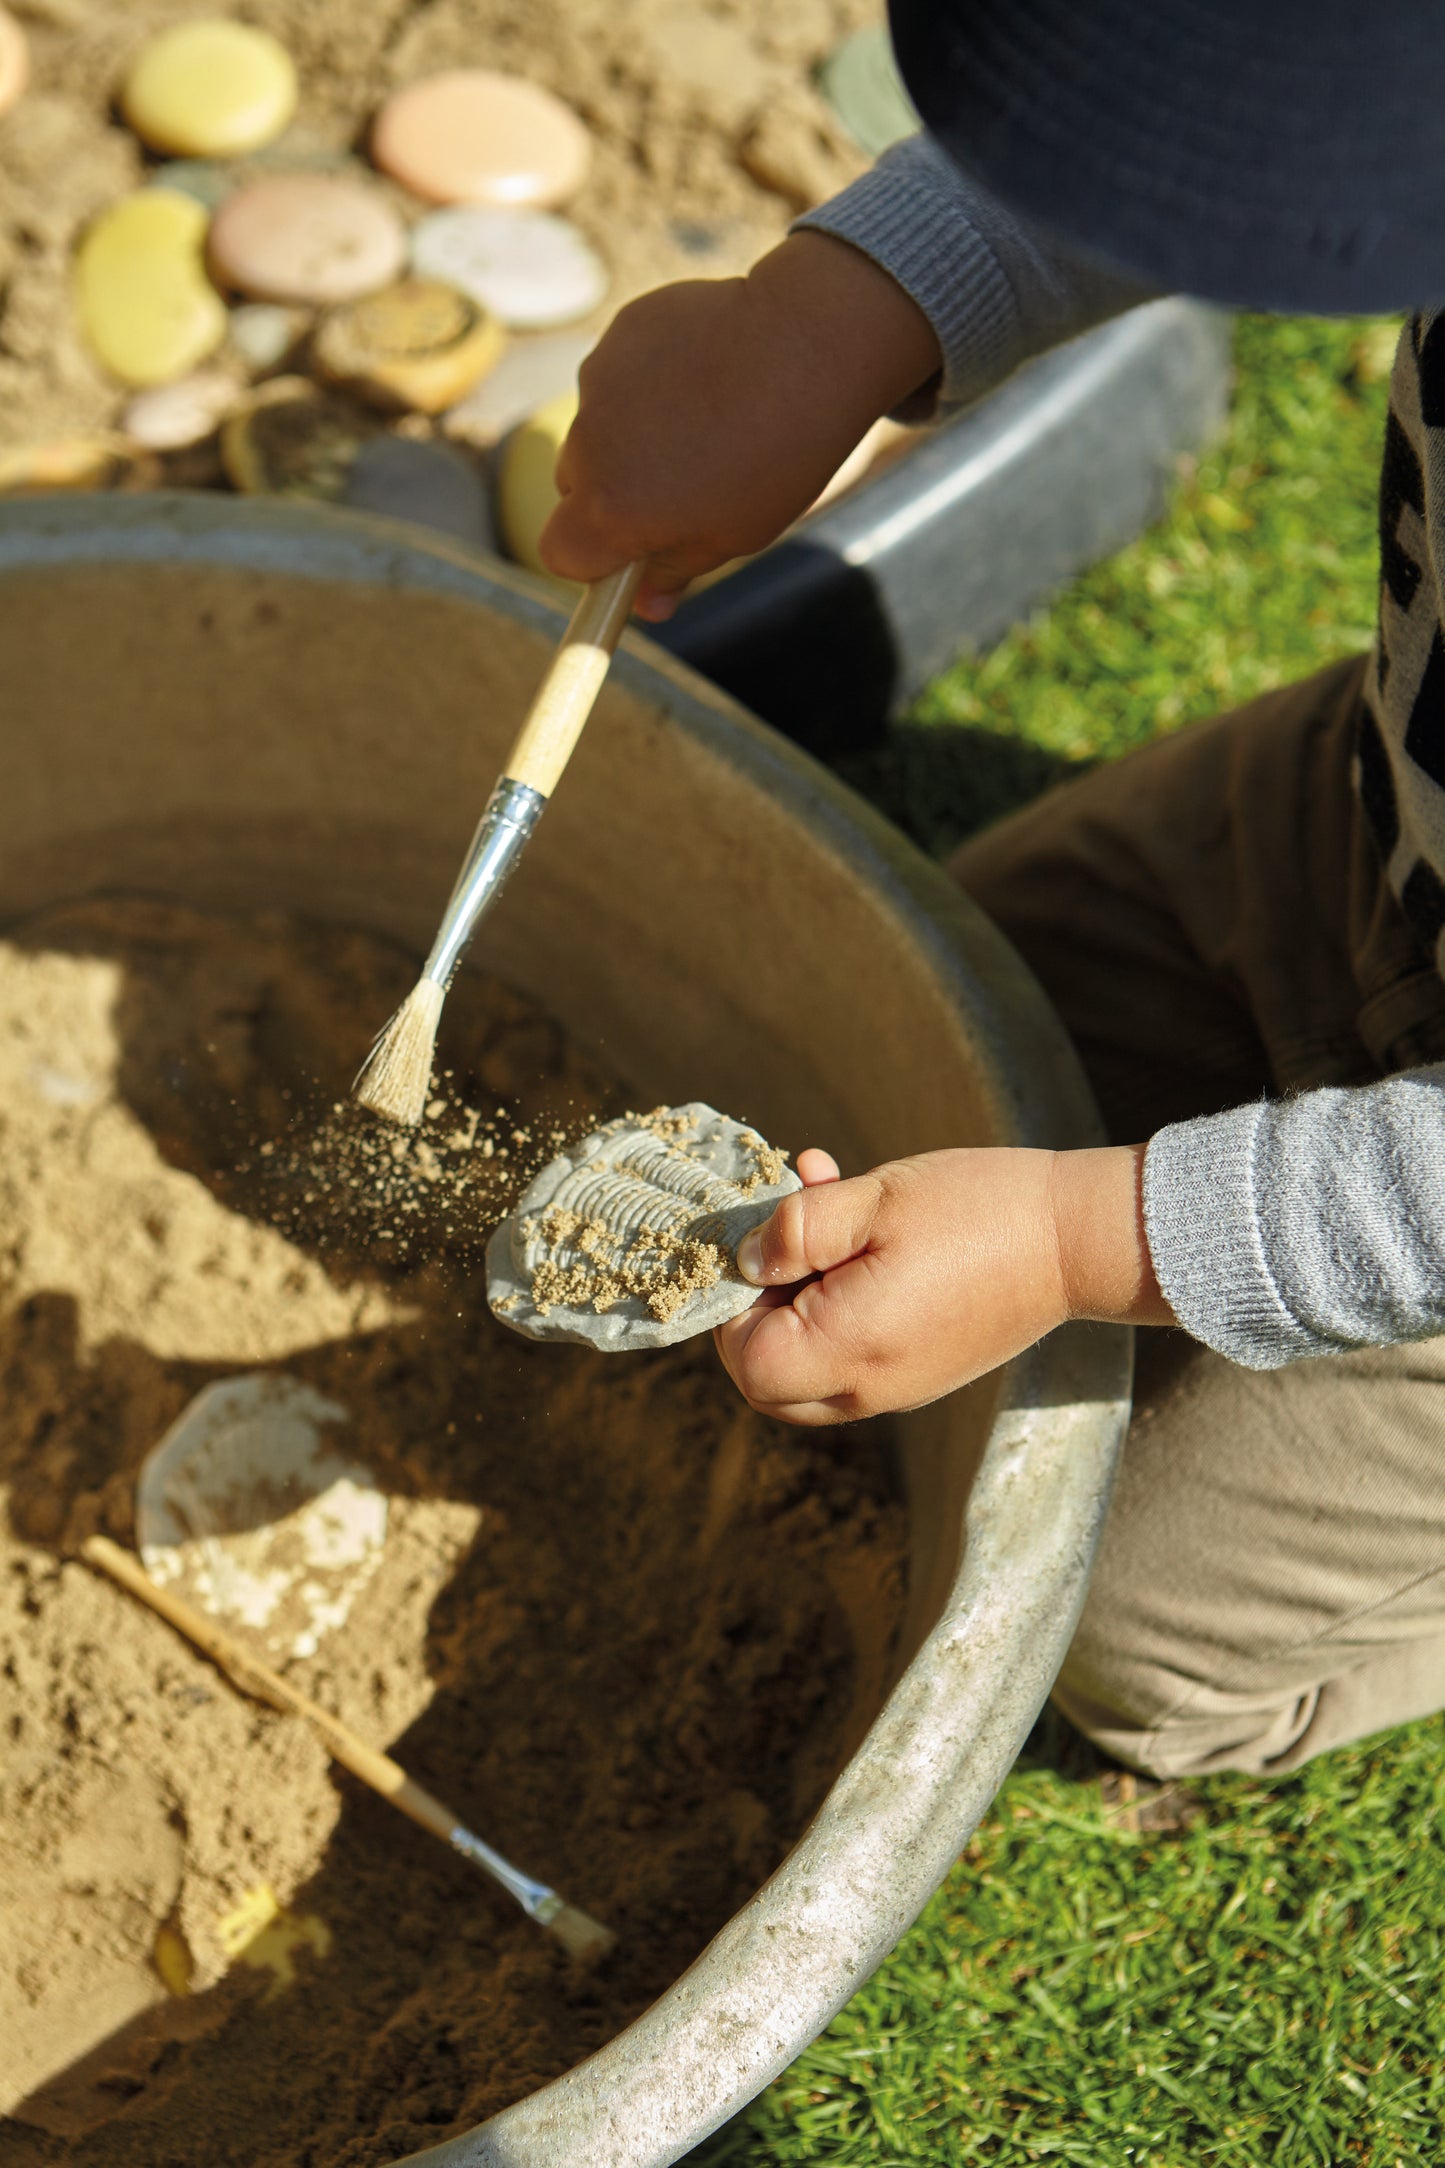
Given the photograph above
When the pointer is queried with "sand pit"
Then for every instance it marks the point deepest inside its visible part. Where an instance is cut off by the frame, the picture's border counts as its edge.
(624, 1627)
(708, 135)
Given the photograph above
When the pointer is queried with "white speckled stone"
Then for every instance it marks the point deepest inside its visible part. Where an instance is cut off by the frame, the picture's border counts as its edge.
(625, 1175)
(531, 269)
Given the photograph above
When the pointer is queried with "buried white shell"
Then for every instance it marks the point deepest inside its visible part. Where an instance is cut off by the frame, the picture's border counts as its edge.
(643, 1217)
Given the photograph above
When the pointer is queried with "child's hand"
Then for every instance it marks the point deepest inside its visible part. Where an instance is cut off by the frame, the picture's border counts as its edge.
(887, 1291)
(713, 412)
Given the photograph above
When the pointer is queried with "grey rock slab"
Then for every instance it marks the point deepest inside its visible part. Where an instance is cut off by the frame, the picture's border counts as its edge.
(688, 1171)
(429, 484)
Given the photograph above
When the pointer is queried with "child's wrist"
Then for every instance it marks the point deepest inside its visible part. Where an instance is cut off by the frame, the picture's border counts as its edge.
(867, 337)
(1105, 1266)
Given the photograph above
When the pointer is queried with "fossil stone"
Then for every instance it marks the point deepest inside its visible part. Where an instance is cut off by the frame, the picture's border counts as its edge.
(627, 1240)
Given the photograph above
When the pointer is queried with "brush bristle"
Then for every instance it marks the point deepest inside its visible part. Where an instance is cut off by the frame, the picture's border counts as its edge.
(581, 1936)
(395, 1078)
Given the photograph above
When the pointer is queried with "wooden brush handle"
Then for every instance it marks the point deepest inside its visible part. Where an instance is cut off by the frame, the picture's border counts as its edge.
(263, 1684)
(567, 693)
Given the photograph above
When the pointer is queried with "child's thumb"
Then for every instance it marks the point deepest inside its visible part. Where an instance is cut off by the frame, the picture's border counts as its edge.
(811, 1231)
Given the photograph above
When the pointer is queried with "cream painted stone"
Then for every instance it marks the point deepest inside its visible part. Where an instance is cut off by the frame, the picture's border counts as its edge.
(312, 238)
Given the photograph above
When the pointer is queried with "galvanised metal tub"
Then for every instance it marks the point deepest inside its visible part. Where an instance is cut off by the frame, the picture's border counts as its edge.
(243, 703)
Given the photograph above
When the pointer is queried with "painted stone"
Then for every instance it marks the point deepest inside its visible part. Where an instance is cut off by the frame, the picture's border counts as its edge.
(527, 486)
(532, 372)
(309, 238)
(146, 306)
(532, 269)
(14, 60)
(860, 80)
(171, 416)
(431, 485)
(103, 462)
(209, 89)
(470, 135)
(417, 344)
(201, 179)
(291, 439)
(264, 333)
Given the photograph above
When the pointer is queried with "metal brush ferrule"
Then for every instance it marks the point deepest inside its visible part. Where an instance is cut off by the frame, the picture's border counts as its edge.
(512, 812)
(535, 1898)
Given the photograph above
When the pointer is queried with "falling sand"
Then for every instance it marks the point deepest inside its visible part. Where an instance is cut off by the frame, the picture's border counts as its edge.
(625, 1628)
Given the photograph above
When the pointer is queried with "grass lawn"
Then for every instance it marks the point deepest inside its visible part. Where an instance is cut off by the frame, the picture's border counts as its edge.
(1237, 1973)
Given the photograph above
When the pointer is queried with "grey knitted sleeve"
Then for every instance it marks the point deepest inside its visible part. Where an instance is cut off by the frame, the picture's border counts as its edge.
(995, 291)
(1305, 1226)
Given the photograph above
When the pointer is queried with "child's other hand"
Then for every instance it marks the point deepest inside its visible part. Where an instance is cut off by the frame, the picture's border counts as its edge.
(884, 1292)
(714, 411)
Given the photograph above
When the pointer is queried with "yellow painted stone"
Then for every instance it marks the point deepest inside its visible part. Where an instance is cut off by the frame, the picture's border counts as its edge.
(146, 305)
(171, 1954)
(261, 1933)
(104, 462)
(418, 344)
(527, 489)
(209, 89)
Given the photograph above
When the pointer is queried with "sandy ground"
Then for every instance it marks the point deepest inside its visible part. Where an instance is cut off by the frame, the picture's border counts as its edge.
(625, 1628)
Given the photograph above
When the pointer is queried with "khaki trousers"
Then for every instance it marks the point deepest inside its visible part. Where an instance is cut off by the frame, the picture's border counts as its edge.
(1210, 918)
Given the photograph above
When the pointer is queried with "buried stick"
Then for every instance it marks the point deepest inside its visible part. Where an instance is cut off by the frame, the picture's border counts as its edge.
(580, 1935)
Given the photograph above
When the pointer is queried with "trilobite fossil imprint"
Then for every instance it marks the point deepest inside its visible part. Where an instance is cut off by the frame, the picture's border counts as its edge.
(629, 1238)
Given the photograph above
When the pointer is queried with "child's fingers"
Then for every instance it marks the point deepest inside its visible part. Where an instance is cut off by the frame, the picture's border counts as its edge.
(811, 1231)
(803, 1359)
(815, 1166)
(575, 546)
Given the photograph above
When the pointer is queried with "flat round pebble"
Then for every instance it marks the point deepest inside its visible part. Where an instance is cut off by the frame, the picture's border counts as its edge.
(307, 238)
(687, 1175)
(14, 60)
(209, 89)
(531, 373)
(290, 439)
(429, 484)
(171, 416)
(418, 344)
(472, 136)
(146, 307)
(527, 482)
(532, 269)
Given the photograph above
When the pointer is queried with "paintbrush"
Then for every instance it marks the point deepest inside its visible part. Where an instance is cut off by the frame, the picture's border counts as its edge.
(395, 1078)
(580, 1935)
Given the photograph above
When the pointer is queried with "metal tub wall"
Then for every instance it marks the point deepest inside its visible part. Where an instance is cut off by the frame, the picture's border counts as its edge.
(255, 705)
